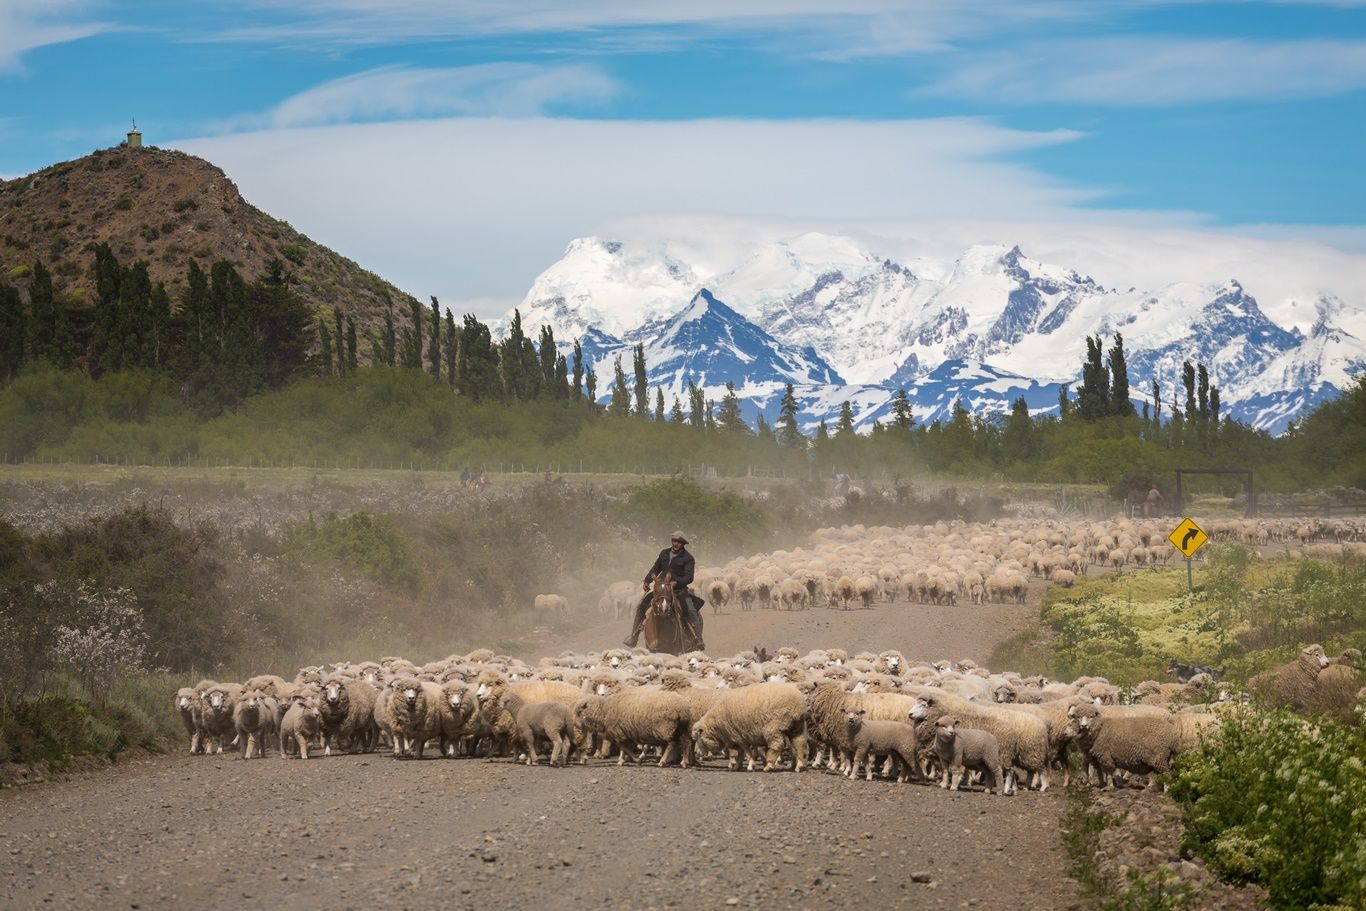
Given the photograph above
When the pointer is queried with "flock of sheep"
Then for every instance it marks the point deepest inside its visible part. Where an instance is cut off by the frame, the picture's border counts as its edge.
(857, 714)
(853, 566)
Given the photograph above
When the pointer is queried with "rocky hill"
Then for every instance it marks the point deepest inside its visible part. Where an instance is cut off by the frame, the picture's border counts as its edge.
(167, 208)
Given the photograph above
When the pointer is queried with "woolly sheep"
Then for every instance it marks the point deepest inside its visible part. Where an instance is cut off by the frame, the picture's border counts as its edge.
(1291, 685)
(302, 722)
(1022, 739)
(551, 604)
(190, 710)
(871, 739)
(348, 710)
(771, 716)
(962, 750)
(414, 707)
(253, 716)
(550, 722)
(219, 701)
(718, 593)
(636, 717)
(1140, 743)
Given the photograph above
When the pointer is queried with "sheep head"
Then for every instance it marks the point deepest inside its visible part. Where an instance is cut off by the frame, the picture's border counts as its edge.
(186, 697)
(946, 728)
(853, 721)
(1314, 655)
(922, 707)
(334, 692)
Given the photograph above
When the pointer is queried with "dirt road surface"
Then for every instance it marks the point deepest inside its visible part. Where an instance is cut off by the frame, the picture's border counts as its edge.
(368, 831)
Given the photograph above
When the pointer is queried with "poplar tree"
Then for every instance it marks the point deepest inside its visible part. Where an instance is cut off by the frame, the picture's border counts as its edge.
(697, 406)
(434, 359)
(642, 383)
(325, 346)
(578, 370)
(44, 316)
(340, 322)
(659, 404)
(548, 356)
(730, 419)
(412, 336)
(352, 361)
(1119, 380)
(477, 361)
(1188, 380)
(789, 434)
(13, 330)
(1202, 393)
(676, 413)
(590, 382)
(561, 384)
(1093, 400)
(451, 348)
(621, 395)
(389, 341)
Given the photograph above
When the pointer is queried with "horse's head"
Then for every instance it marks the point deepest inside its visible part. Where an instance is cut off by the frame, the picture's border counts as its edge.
(661, 595)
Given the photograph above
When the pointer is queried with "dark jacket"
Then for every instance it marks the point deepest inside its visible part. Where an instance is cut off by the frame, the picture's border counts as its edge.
(681, 564)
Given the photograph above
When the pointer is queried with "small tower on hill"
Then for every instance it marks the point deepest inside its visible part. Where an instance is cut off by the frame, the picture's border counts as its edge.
(134, 137)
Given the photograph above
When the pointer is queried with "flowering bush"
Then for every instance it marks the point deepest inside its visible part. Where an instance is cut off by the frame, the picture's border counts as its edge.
(1282, 801)
(106, 639)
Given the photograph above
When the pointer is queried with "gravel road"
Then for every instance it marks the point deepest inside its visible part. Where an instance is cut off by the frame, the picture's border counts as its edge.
(368, 831)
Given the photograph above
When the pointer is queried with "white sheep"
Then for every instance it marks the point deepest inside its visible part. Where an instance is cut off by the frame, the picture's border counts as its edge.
(963, 750)
(769, 716)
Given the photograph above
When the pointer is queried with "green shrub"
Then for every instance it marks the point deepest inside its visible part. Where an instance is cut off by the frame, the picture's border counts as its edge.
(362, 540)
(658, 507)
(294, 253)
(1275, 801)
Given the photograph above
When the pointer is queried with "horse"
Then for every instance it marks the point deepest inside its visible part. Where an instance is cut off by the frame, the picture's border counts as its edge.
(665, 619)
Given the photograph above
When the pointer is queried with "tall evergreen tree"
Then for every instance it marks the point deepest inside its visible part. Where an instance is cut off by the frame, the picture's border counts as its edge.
(352, 361)
(434, 358)
(822, 432)
(697, 406)
(159, 325)
(1157, 404)
(1093, 400)
(844, 426)
(1145, 412)
(324, 349)
(730, 419)
(590, 382)
(1202, 392)
(1120, 405)
(389, 341)
(1214, 406)
(107, 346)
(13, 331)
(561, 377)
(413, 347)
(520, 363)
(195, 318)
(1017, 437)
(283, 329)
(762, 430)
(789, 434)
(578, 369)
(902, 416)
(1188, 380)
(676, 413)
(43, 319)
(621, 395)
(339, 322)
(659, 404)
(711, 415)
(1064, 402)
(548, 355)
(477, 361)
(450, 348)
(642, 383)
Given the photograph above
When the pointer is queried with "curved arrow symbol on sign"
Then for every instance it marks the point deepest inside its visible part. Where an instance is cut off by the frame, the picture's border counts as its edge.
(1186, 538)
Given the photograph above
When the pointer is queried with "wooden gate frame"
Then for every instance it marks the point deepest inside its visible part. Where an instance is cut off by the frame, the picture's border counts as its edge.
(1248, 487)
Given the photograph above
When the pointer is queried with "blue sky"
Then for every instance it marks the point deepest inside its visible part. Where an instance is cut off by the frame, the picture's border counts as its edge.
(1244, 118)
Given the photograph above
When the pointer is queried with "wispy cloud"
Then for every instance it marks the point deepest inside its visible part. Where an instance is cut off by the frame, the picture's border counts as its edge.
(400, 93)
(1158, 71)
(29, 24)
(476, 207)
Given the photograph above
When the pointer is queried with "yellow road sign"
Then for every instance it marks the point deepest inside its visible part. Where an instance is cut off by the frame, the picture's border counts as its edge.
(1188, 537)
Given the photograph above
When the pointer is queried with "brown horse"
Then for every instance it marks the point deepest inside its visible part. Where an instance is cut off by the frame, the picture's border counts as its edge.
(666, 625)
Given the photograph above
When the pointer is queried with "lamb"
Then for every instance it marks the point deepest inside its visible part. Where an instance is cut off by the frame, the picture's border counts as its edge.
(541, 721)
(829, 705)
(871, 739)
(965, 750)
(1291, 685)
(302, 722)
(551, 604)
(348, 710)
(1022, 739)
(1141, 743)
(767, 715)
(253, 716)
(1335, 688)
(638, 717)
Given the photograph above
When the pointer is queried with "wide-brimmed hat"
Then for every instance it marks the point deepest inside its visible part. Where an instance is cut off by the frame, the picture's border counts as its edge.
(678, 536)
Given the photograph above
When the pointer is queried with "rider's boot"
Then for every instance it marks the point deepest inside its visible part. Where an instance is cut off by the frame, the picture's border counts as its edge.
(631, 640)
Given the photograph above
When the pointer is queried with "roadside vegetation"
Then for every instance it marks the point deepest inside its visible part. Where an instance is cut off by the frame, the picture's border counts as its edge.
(1277, 799)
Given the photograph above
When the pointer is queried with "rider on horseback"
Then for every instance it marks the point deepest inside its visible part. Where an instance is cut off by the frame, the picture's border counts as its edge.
(675, 560)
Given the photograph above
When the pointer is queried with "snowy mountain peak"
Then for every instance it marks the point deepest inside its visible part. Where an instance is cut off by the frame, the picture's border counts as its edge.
(820, 310)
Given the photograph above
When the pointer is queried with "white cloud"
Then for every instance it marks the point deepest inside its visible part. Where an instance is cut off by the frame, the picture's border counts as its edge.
(483, 204)
(505, 89)
(29, 24)
(1158, 71)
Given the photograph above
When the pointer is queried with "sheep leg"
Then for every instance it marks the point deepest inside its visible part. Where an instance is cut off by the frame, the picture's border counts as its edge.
(860, 757)
(303, 745)
(957, 778)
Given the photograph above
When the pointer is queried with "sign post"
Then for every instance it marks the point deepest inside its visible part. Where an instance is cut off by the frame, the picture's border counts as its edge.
(1188, 538)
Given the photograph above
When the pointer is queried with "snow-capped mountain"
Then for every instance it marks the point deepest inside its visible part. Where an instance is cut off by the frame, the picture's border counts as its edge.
(841, 322)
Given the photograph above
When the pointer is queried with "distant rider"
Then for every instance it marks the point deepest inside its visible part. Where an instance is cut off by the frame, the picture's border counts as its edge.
(676, 560)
